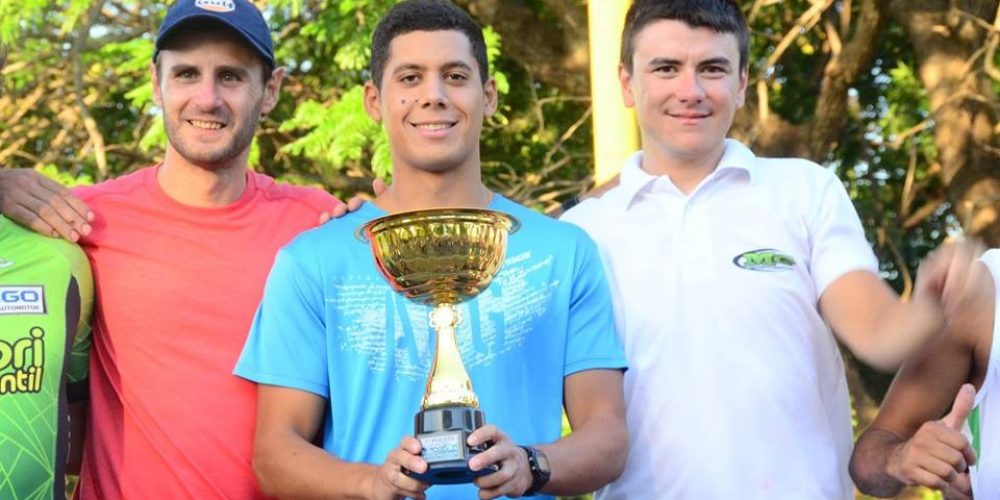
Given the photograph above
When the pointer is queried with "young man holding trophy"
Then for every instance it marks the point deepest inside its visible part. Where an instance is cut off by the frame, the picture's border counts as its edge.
(338, 353)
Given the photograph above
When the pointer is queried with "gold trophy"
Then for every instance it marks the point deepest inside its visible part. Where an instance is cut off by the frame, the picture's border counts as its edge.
(442, 257)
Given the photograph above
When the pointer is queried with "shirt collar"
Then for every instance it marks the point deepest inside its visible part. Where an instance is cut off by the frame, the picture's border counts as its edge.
(634, 179)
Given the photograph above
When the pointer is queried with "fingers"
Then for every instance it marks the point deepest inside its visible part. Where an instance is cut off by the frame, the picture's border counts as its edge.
(379, 186)
(950, 274)
(961, 408)
(514, 476)
(934, 457)
(43, 204)
(512, 479)
(393, 481)
(960, 271)
(30, 220)
(354, 203)
(959, 489)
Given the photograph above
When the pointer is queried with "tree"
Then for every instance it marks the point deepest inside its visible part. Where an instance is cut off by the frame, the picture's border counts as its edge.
(898, 96)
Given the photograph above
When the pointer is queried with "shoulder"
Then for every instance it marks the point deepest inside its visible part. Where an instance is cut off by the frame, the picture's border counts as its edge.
(803, 173)
(56, 253)
(588, 212)
(120, 186)
(538, 224)
(311, 197)
(334, 238)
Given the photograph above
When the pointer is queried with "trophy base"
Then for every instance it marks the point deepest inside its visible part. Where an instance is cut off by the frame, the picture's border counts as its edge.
(443, 434)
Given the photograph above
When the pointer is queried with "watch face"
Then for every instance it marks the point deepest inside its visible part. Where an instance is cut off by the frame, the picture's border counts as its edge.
(543, 461)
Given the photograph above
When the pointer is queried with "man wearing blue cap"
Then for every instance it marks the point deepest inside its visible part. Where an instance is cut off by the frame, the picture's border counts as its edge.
(180, 252)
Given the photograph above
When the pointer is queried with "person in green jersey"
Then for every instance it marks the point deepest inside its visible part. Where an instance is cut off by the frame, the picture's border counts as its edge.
(45, 301)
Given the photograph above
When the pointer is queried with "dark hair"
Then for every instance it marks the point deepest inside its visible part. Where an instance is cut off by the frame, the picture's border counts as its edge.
(192, 31)
(723, 16)
(425, 15)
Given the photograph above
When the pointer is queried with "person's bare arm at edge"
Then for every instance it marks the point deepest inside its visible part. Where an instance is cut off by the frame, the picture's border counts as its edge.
(287, 465)
(909, 443)
(590, 457)
(78, 413)
(43, 205)
(882, 330)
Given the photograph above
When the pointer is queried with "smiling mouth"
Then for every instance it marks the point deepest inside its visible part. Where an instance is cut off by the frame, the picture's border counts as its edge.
(688, 116)
(206, 124)
(434, 126)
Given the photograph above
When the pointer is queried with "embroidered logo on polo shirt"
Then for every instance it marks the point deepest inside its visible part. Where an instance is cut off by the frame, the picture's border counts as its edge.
(216, 5)
(765, 259)
(22, 300)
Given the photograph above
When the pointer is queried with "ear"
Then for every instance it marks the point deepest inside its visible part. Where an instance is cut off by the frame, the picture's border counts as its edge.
(272, 90)
(373, 101)
(625, 78)
(741, 95)
(157, 97)
(490, 93)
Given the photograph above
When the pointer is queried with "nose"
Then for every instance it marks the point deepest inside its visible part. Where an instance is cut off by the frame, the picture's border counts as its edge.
(207, 96)
(689, 87)
(435, 94)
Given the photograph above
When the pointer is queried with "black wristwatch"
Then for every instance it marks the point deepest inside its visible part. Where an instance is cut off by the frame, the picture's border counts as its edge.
(538, 462)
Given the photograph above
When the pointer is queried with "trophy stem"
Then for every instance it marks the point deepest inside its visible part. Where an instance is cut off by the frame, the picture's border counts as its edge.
(449, 384)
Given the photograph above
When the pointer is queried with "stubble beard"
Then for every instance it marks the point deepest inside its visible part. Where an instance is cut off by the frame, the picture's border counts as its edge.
(215, 158)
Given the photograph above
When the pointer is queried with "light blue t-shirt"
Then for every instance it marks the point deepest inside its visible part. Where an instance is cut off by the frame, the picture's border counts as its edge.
(330, 324)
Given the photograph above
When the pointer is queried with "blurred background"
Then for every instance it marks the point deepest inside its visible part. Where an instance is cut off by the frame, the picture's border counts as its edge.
(898, 97)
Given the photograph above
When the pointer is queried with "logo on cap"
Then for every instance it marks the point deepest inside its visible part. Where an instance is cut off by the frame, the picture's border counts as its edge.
(216, 5)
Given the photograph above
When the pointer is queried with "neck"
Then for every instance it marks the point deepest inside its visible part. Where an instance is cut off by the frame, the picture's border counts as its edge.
(418, 190)
(196, 186)
(685, 172)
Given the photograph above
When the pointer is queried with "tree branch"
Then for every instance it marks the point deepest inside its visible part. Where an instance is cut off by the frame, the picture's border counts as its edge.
(96, 138)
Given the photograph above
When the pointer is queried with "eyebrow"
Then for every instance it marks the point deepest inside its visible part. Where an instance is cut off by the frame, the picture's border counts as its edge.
(419, 67)
(239, 70)
(714, 61)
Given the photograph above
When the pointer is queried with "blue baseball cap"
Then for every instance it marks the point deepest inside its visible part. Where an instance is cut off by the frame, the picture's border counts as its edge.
(239, 15)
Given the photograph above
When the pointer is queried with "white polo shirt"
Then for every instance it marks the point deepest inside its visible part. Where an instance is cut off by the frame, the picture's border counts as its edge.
(735, 387)
(986, 436)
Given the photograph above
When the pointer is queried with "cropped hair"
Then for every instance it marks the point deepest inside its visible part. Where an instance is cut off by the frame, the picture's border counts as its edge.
(723, 16)
(425, 15)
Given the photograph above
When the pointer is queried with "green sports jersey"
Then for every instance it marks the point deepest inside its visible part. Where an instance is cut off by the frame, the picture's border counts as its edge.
(45, 301)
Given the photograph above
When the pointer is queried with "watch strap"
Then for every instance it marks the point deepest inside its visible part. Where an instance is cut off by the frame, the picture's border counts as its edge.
(539, 476)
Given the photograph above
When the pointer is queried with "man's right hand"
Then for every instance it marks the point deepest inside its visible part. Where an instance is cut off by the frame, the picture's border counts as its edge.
(938, 455)
(392, 483)
(43, 205)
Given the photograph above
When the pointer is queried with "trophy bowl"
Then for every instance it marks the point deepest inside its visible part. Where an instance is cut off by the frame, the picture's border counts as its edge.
(441, 257)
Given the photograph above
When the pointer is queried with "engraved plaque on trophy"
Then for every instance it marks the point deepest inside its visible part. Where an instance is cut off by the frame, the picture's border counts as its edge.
(441, 257)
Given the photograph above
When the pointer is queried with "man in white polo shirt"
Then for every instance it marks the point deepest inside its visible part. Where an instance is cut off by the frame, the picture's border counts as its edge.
(910, 443)
(725, 269)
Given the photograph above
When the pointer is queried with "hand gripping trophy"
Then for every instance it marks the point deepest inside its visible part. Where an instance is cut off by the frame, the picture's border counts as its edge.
(441, 257)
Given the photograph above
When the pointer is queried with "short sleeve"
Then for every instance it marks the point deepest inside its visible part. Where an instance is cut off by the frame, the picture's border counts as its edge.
(591, 342)
(838, 241)
(287, 341)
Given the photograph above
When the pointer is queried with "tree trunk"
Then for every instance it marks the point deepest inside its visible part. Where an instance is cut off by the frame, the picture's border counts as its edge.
(950, 44)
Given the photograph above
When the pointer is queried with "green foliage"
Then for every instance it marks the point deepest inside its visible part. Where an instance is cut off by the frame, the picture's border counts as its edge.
(337, 133)
(65, 178)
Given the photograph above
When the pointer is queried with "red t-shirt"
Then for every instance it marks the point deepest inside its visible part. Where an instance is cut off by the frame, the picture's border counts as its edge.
(176, 290)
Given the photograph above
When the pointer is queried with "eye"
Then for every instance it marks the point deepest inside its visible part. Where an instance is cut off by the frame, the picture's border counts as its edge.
(665, 70)
(409, 79)
(230, 77)
(456, 77)
(186, 74)
(715, 70)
